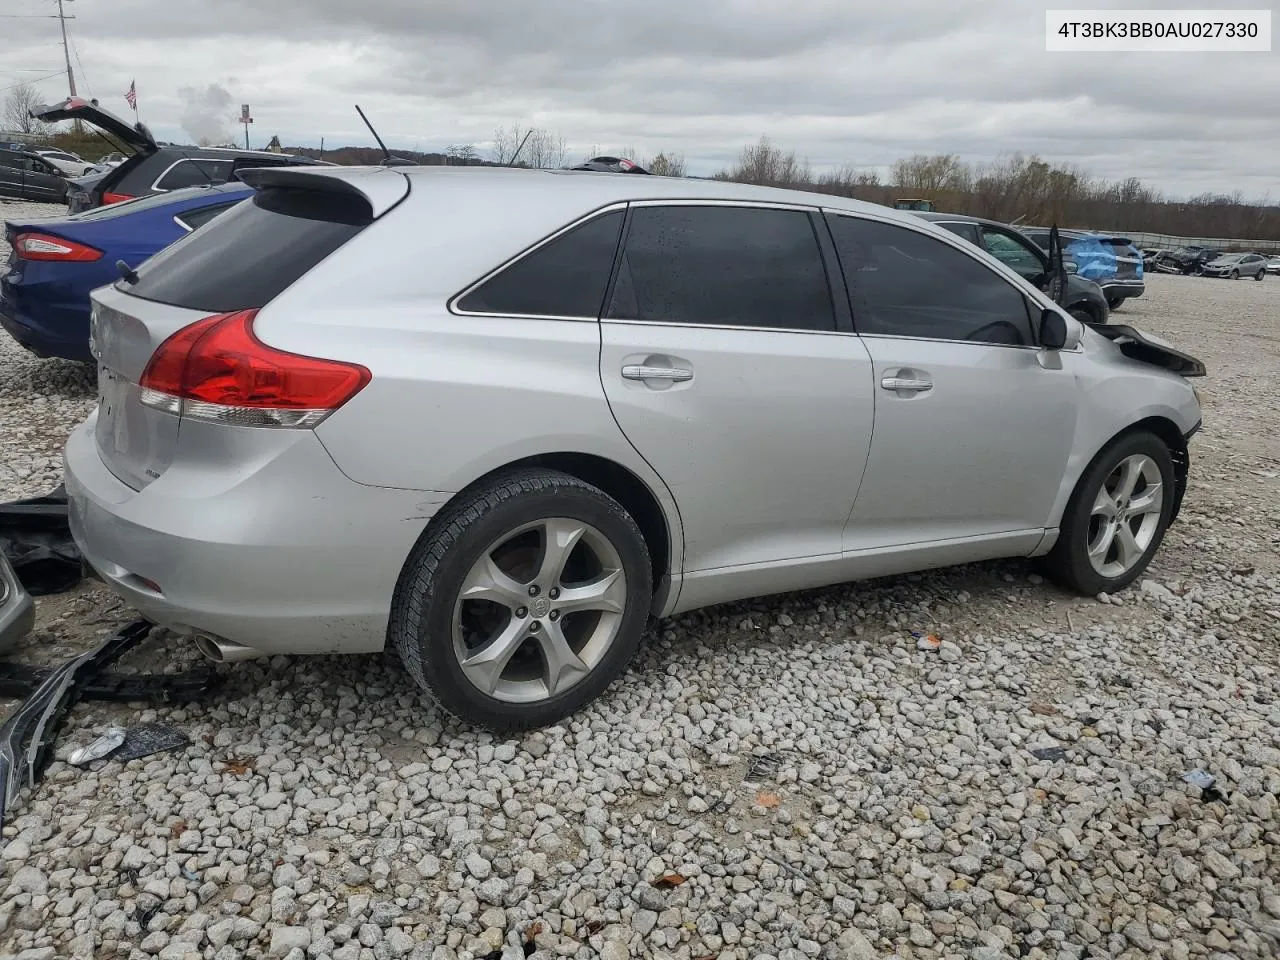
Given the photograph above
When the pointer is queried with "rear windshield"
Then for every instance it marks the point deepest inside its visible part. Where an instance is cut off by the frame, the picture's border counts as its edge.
(253, 252)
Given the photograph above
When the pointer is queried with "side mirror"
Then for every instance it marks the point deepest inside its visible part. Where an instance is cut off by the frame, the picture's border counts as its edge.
(1071, 266)
(1053, 330)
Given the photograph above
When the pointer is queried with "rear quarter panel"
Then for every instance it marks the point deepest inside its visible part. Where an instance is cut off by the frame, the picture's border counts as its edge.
(452, 397)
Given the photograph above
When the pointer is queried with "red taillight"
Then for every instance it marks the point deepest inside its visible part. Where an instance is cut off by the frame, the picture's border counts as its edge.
(109, 197)
(216, 369)
(43, 246)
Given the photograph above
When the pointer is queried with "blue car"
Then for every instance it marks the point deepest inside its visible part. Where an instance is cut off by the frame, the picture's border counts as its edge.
(1113, 263)
(54, 263)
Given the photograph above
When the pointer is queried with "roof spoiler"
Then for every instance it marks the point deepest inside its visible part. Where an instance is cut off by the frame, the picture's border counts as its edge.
(382, 188)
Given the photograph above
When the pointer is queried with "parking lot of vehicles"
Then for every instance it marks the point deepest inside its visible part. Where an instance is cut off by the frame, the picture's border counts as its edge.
(152, 168)
(513, 551)
(1236, 265)
(68, 163)
(1185, 260)
(55, 263)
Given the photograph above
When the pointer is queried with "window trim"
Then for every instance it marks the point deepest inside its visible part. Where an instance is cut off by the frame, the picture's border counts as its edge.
(452, 305)
(841, 319)
(177, 217)
(155, 186)
(1009, 276)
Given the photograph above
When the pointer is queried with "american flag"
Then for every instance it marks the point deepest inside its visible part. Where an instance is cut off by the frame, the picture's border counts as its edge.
(132, 95)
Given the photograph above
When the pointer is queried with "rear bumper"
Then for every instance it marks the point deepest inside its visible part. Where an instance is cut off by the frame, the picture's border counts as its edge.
(60, 331)
(1123, 288)
(286, 555)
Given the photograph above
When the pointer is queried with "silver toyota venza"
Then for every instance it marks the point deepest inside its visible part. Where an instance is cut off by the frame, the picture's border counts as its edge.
(500, 417)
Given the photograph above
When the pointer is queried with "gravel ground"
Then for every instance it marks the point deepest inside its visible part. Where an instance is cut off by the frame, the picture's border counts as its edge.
(787, 779)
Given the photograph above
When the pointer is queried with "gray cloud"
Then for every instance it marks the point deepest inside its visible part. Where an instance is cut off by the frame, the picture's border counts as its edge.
(838, 82)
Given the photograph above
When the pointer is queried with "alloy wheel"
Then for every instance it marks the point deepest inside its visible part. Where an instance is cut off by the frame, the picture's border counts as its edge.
(539, 609)
(1125, 516)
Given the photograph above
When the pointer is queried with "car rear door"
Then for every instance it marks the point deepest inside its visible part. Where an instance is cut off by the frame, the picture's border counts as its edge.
(43, 182)
(972, 435)
(727, 370)
(12, 173)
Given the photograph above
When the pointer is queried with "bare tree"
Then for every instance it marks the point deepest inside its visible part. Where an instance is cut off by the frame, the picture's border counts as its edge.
(461, 154)
(667, 165)
(763, 163)
(18, 102)
(932, 174)
(528, 146)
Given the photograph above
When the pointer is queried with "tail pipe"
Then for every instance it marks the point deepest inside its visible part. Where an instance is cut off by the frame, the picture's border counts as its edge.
(224, 651)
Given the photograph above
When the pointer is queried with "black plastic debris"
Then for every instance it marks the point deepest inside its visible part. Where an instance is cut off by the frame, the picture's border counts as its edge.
(1052, 754)
(26, 738)
(150, 738)
(35, 534)
(763, 767)
(22, 680)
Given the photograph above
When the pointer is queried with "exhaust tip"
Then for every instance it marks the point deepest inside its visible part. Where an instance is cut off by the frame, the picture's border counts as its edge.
(224, 651)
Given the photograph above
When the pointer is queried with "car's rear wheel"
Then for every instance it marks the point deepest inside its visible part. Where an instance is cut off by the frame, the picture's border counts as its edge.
(1261, 273)
(523, 602)
(1117, 516)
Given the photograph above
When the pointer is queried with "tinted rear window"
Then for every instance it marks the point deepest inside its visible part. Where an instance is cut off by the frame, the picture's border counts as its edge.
(244, 259)
(194, 173)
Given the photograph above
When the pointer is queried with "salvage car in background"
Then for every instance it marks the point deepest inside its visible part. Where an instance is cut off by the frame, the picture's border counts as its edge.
(1185, 260)
(54, 263)
(1273, 265)
(1113, 263)
(67, 163)
(152, 168)
(498, 418)
(25, 175)
(1236, 265)
(1084, 299)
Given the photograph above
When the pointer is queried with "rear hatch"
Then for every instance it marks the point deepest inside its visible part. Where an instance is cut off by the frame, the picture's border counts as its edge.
(240, 261)
(130, 138)
(1128, 257)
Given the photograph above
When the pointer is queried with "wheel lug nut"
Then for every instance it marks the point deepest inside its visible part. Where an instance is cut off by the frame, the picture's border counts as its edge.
(535, 627)
(555, 592)
(555, 614)
(533, 590)
(522, 612)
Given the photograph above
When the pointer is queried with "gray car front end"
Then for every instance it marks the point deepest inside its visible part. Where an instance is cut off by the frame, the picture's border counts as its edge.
(745, 456)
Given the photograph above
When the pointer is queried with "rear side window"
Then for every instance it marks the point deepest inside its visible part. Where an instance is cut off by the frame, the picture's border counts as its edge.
(724, 266)
(244, 259)
(13, 160)
(906, 284)
(194, 173)
(565, 277)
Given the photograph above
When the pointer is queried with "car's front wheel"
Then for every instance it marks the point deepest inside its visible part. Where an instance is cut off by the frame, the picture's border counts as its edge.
(524, 601)
(1117, 516)
(1234, 275)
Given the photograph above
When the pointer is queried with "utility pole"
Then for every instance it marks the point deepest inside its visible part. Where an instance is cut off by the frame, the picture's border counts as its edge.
(66, 52)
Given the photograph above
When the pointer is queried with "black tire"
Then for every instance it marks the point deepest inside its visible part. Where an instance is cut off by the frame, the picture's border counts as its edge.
(1234, 275)
(1068, 562)
(1083, 315)
(1115, 302)
(422, 613)
(1261, 273)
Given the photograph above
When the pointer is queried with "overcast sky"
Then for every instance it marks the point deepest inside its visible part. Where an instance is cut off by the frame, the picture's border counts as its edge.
(837, 81)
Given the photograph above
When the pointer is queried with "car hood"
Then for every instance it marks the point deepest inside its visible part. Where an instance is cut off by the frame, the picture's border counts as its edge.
(1148, 348)
(136, 135)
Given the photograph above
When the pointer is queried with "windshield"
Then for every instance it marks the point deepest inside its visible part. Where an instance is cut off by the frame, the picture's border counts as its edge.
(1232, 258)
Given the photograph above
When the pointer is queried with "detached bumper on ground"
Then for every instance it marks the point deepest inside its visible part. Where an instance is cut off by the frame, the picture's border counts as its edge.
(249, 557)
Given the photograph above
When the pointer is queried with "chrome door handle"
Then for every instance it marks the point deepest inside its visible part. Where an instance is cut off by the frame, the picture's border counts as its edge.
(906, 385)
(640, 371)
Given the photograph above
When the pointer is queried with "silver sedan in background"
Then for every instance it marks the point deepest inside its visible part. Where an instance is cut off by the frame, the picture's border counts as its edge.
(499, 418)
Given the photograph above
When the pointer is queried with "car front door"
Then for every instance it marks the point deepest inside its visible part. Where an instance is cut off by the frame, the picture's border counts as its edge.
(727, 370)
(972, 434)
